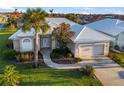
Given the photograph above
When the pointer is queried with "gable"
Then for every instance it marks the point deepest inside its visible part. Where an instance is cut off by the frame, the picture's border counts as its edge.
(21, 33)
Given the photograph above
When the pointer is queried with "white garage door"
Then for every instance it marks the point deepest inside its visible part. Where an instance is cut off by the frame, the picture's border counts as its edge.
(98, 50)
(27, 45)
(91, 50)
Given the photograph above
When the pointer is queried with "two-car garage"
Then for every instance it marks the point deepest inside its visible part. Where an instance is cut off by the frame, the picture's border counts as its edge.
(93, 50)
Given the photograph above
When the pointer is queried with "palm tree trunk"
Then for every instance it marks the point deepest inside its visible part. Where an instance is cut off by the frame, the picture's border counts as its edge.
(36, 51)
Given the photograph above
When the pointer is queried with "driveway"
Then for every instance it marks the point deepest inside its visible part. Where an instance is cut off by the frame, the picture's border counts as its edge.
(106, 70)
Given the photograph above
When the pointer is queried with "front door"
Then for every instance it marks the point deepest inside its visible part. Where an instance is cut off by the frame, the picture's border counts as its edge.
(45, 42)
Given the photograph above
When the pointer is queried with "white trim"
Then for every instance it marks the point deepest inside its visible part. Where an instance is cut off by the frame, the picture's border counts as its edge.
(79, 33)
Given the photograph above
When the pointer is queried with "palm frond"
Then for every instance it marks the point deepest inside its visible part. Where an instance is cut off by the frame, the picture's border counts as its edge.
(35, 18)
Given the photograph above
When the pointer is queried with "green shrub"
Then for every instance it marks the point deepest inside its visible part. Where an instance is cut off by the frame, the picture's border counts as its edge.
(10, 77)
(9, 54)
(117, 47)
(9, 45)
(87, 70)
(61, 53)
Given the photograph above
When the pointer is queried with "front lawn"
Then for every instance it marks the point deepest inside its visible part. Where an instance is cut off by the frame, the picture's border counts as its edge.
(44, 76)
(117, 57)
(48, 76)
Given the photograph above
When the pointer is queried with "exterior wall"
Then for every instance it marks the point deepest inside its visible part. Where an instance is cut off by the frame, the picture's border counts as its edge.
(21, 44)
(16, 45)
(106, 48)
(53, 43)
(77, 48)
(41, 42)
(71, 46)
(120, 40)
(76, 52)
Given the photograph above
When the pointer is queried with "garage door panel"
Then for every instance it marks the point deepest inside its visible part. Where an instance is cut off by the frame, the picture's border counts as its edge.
(84, 51)
(91, 50)
(98, 50)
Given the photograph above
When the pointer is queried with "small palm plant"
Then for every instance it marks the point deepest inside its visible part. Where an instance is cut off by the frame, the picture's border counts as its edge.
(10, 77)
(87, 70)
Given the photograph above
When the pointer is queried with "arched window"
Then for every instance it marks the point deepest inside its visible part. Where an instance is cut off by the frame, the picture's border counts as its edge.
(26, 40)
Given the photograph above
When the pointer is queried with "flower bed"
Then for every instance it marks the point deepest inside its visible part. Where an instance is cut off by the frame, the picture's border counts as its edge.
(63, 56)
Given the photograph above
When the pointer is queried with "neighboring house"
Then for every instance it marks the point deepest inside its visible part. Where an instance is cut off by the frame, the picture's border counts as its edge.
(88, 42)
(111, 27)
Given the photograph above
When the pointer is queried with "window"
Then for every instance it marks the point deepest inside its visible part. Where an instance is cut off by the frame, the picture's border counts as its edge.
(26, 40)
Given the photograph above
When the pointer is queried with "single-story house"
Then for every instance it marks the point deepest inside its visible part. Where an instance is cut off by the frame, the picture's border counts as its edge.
(89, 41)
(111, 27)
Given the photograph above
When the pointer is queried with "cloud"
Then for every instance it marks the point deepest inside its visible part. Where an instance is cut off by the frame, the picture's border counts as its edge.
(6, 9)
(118, 12)
(10, 9)
(114, 11)
(82, 10)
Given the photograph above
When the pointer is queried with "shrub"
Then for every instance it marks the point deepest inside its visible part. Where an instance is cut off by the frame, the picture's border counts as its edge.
(69, 55)
(9, 45)
(87, 70)
(61, 53)
(21, 57)
(10, 77)
(9, 54)
(78, 59)
(117, 47)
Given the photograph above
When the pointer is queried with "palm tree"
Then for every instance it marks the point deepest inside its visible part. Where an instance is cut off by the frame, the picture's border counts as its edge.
(15, 10)
(51, 11)
(35, 18)
(10, 77)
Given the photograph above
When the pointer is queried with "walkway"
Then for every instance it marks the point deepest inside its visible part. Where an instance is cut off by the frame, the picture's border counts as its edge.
(106, 70)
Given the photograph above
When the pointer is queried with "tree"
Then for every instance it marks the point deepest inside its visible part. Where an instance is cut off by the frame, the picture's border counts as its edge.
(72, 17)
(12, 22)
(10, 77)
(51, 11)
(15, 10)
(35, 18)
(62, 34)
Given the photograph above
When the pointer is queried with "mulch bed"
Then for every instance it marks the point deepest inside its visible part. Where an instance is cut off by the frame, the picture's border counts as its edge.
(65, 61)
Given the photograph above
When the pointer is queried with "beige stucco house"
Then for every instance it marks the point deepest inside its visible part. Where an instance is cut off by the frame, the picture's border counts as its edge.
(88, 42)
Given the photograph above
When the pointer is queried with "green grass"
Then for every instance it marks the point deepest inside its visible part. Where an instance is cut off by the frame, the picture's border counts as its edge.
(117, 57)
(7, 30)
(47, 76)
(44, 76)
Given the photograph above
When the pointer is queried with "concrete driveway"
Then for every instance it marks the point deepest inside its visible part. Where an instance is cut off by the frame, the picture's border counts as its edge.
(106, 70)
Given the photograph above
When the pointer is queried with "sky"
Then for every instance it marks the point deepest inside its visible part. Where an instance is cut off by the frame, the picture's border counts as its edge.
(81, 10)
